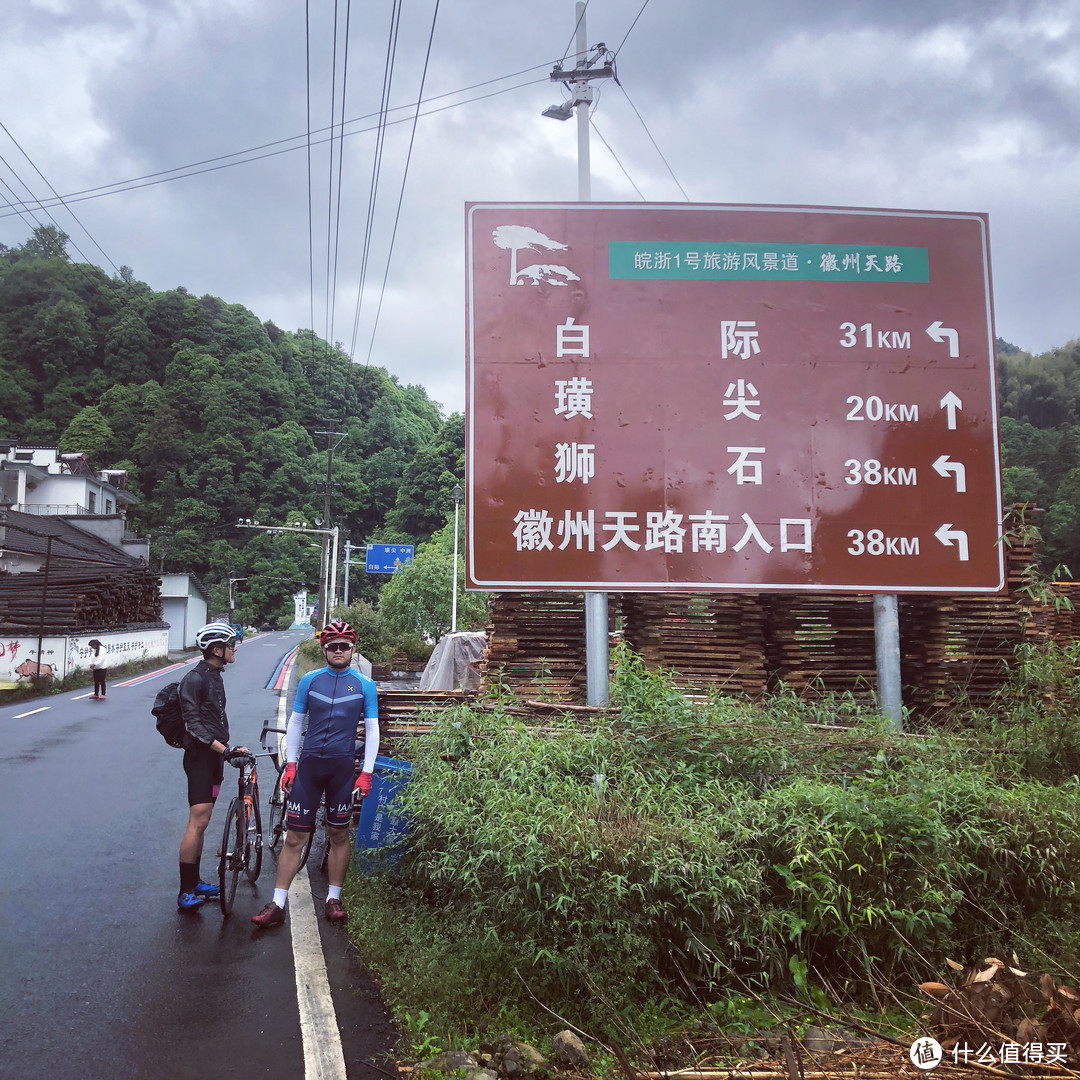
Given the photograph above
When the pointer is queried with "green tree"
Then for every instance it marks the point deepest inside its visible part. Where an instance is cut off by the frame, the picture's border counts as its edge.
(418, 598)
(89, 433)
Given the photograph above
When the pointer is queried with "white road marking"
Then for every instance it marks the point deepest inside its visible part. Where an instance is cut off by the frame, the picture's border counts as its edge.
(324, 1058)
(32, 712)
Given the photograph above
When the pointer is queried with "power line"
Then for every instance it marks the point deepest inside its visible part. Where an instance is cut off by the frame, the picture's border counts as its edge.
(652, 140)
(310, 221)
(376, 167)
(401, 193)
(632, 25)
(330, 210)
(616, 157)
(341, 161)
(26, 205)
(573, 36)
(54, 191)
(186, 171)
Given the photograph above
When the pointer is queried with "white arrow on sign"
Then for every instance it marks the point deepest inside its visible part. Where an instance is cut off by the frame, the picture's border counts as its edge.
(943, 466)
(941, 333)
(951, 403)
(947, 535)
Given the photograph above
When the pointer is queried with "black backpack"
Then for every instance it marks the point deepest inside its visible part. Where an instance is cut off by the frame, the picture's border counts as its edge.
(170, 721)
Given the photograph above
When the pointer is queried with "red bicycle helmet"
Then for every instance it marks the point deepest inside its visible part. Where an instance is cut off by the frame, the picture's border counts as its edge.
(337, 630)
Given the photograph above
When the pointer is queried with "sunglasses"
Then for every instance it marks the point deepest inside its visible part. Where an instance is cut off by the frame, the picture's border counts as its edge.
(338, 646)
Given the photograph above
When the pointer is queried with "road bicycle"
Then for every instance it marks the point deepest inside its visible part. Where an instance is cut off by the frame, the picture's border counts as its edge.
(242, 842)
(277, 823)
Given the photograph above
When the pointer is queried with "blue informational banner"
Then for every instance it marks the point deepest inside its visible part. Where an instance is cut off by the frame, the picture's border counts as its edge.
(383, 827)
(386, 558)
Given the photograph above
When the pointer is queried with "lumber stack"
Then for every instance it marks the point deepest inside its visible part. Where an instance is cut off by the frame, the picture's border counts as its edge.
(80, 599)
(820, 643)
(710, 640)
(536, 646)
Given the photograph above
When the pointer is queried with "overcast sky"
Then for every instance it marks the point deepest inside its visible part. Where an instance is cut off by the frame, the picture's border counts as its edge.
(967, 105)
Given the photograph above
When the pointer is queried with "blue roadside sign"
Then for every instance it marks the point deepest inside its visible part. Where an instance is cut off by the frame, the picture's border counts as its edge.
(386, 558)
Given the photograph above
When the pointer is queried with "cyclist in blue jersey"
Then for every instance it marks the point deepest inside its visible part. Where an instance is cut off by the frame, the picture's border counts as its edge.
(333, 699)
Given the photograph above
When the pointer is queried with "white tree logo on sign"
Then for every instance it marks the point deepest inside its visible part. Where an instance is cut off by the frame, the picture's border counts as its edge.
(515, 238)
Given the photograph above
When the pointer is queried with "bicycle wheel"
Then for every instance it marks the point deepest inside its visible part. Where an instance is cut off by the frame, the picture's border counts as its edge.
(253, 864)
(276, 822)
(232, 854)
(307, 842)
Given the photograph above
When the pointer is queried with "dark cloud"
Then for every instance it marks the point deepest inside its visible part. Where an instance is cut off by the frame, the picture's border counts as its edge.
(930, 104)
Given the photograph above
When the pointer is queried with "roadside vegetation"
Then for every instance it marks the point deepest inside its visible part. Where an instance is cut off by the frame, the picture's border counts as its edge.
(719, 862)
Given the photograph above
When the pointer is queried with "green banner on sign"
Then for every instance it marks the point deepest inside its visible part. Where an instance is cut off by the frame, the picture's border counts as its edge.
(665, 260)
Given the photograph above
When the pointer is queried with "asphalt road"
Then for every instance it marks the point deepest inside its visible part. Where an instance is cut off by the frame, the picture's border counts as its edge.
(101, 978)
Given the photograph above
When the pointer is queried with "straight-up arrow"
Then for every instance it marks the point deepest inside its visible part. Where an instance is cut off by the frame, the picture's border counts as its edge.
(941, 333)
(948, 536)
(951, 403)
(943, 466)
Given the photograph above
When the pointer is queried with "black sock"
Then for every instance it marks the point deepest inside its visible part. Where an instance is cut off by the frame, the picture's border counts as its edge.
(189, 876)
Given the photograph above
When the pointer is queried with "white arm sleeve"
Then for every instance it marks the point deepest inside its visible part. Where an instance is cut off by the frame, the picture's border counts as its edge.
(293, 730)
(371, 743)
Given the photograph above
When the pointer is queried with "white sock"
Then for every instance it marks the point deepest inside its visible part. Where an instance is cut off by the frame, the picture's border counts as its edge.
(280, 896)
(333, 892)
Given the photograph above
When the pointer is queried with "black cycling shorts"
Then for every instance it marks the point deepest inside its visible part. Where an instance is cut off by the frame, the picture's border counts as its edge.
(315, 775)
(205, 769)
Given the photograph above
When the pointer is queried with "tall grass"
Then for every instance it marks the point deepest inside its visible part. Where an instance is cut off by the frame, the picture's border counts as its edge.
(679, 851)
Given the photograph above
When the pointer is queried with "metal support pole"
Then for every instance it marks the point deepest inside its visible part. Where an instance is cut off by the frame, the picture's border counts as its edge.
(453, 603)
(597, 689)
(584, 172)
(332, 596)
(596, 648)
(887, 649)
(44, 599)
(348, 553)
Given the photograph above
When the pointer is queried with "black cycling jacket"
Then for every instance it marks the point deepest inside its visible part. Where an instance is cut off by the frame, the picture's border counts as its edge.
(202, 704)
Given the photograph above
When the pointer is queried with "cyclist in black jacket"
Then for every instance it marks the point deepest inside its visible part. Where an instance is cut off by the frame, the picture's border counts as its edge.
(206, 748)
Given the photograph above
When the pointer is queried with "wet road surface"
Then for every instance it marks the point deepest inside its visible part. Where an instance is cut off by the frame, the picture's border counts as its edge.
(102, 976)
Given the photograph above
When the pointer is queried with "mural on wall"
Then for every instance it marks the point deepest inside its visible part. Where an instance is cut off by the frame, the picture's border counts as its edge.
(19, 663)
(61, 656)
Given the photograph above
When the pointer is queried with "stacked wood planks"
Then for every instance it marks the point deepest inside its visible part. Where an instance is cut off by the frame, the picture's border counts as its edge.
(92, 598)
(713, 640)
(536, 646)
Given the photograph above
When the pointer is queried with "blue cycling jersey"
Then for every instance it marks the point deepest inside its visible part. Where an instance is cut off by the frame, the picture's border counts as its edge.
(335, 702)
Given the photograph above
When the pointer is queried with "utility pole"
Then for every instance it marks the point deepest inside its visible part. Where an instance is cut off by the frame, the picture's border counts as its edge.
(597, 663)
(333, 438)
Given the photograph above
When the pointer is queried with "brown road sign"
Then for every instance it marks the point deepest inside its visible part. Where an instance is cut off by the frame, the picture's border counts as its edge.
(730, 397)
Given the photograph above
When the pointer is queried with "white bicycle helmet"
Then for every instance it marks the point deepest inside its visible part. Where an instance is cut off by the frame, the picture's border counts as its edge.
(215, 633)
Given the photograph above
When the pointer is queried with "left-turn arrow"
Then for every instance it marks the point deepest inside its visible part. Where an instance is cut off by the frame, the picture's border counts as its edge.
(943, 466)
(948, 536)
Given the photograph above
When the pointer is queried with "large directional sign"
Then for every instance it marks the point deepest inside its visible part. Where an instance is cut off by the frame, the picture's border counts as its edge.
(730, 397)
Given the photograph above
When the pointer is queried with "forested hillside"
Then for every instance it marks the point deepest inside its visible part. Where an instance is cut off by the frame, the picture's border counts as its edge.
(215, 416)
(1040, 443)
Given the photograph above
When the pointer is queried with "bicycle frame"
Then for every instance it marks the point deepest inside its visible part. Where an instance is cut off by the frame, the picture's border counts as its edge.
(242, 841)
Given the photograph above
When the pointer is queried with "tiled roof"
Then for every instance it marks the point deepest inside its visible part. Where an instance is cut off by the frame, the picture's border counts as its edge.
(28, 534)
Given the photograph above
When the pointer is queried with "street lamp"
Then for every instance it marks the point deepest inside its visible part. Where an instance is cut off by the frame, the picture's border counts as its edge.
(457, 493)
(329, 588)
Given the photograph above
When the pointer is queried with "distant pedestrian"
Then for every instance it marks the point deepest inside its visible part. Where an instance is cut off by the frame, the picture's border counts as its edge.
(99, 664)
